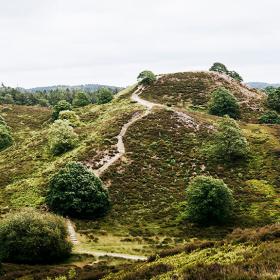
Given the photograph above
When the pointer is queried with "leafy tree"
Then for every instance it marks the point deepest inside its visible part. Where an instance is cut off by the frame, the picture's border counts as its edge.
(80, 99)
(219, 67)
(76, 191)
(33, 237)
(60, 106)
(146, 77)
(235, 76)
(209, 201)
(229, 144)
(270, 117)
(43, 102)
(223, 103)
(6, 99)
(62, 137)
(273, 100)
(70, 116)
(104, 95)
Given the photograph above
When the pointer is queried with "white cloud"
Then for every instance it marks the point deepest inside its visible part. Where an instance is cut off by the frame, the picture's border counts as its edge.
(86, 41)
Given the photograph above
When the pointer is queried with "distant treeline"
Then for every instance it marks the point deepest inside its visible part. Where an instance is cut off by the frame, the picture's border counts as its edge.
(45, 98)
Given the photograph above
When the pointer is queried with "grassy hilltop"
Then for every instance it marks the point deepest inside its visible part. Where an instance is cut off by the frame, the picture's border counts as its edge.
(164, 150)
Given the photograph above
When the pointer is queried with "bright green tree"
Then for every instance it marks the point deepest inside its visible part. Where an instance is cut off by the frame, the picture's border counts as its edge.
(229, 143)
(209, 201)
(222, 103)
(81, 99)
(104, 95)
(273, 100)
(60, 106)
(76, 191)
(62, 137)
(146, 77)
(33, 237)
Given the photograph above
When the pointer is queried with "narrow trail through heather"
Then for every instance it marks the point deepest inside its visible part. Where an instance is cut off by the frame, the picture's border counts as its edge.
(120, 152)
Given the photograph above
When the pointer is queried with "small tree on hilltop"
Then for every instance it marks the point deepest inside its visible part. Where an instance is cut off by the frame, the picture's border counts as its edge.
(33, 237)
(230, 144)
(146, 78)
(209, 201)
(62, 137)
(223, 103)
(235, 76)
(76, 191)
(81, 99)
(219, 67)
(104, 95)
(60, 106)
(273, 100)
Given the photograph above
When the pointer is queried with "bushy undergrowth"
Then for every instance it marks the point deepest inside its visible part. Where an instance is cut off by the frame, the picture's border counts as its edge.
(270, 117)
(76, 191)
(33, 237)
(70, 116)
(62, 105)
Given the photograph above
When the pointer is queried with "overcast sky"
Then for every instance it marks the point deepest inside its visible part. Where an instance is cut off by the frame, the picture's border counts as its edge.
(110, 41)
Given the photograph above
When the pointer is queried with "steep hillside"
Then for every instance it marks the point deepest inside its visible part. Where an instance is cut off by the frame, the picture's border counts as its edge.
(152, 140)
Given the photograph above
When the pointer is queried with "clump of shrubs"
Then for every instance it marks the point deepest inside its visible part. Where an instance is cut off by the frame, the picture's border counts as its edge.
(70, 116)
(229, 143)
(76, 191)
(146, 77)
(273, 100)
(81, 99)
(270, 117)
(33, 237)
(62, 105)
(62, 137)
(208, 201)
(221, 68)
(223, 103)
(104, 95)
(6, 139)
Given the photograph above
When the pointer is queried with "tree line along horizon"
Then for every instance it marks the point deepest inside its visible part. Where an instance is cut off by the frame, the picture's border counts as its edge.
(75, 191)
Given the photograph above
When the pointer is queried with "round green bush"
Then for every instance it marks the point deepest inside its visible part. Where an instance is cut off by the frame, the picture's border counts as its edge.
(223, 103)
(62, 137)
(270, 117)
(70, 116)
(60, 106)
(209, 201)
(33, 237)
(146, 77)
(6, 139)
(76, 191)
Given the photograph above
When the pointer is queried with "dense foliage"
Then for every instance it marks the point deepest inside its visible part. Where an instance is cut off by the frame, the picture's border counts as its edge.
(146, 77)
(229, 143)
(33, 237)
(104, 95)
(62, 137)
(209, 201)
(273, 100)
(70, 116)
(270, 117)
(81, 99)
(76, 191)
(221, 68)
(223, 103)
(6, 139)
(62, 105)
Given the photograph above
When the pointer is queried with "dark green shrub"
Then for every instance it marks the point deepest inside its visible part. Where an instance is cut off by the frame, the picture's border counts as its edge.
(6, 139)
(235, 76)
(209, 201)
(76, 191)
(223, 103)
(229, 143)
(62, 137)
(104, 95)
(219, 67)
(273, 100)
(270, 117)
(146, 77)
(81, 99)
(33, 237)
(60, 106)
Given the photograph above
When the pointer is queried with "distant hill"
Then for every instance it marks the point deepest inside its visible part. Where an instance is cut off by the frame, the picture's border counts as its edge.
(261, 85)
(86, 87)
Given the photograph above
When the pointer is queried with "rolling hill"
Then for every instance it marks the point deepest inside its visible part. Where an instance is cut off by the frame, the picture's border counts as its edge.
(152, 141)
